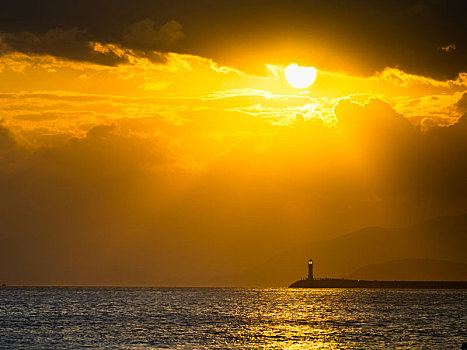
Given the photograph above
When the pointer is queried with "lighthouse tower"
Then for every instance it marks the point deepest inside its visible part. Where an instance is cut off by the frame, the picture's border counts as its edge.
(310, 269)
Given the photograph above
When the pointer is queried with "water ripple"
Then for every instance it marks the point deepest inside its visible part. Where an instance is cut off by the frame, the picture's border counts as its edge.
(228, 318)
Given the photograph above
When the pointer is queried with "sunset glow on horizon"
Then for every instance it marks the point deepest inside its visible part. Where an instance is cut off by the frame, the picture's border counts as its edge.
(171, 148)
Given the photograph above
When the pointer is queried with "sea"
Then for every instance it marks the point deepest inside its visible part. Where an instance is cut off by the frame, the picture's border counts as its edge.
(231, 318)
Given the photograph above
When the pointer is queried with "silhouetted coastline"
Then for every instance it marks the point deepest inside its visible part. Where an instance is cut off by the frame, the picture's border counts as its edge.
(347, 283)
(312, 282)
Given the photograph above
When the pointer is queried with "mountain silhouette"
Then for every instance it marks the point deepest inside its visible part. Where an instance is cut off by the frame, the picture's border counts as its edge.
(441, 238)
(412, 270)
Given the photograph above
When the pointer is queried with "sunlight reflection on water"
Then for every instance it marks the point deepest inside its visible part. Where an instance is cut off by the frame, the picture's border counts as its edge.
(216, 318)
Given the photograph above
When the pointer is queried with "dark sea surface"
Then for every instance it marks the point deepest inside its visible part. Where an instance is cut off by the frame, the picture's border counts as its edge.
(228, 318)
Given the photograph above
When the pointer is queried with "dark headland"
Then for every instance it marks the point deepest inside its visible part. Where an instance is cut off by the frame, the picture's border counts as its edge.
(345, 283)
(312, 282)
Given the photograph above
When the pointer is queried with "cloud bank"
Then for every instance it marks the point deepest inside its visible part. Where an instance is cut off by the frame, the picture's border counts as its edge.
(124, 162)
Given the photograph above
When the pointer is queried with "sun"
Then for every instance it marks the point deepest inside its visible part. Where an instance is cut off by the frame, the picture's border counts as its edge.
(300, 77)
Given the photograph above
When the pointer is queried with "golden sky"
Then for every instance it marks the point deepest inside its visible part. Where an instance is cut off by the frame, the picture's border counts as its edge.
(167, 152)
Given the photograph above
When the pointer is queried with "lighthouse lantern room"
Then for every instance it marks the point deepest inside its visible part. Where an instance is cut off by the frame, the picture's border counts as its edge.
(310, 269)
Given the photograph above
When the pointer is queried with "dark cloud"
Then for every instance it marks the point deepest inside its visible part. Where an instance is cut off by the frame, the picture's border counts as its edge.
(76, 44)
(462, 103)
(101, 130)
(378, 132)
(6, 139)
(365, 35)
(66, 211)
(69, 43)
(374, 121)
(146, 35)
(114, 208)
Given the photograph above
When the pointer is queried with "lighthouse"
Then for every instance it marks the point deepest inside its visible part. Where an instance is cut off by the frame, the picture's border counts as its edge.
(310, 269)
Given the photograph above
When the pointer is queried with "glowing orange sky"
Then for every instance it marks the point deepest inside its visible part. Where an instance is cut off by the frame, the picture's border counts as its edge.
(58, 96)
(146, 158)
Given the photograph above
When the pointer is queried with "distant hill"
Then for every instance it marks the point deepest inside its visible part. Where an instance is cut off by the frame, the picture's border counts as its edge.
(413, 270)
(443, 238)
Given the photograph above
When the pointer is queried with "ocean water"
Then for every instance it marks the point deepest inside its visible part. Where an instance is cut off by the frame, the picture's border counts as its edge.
(229, 318)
